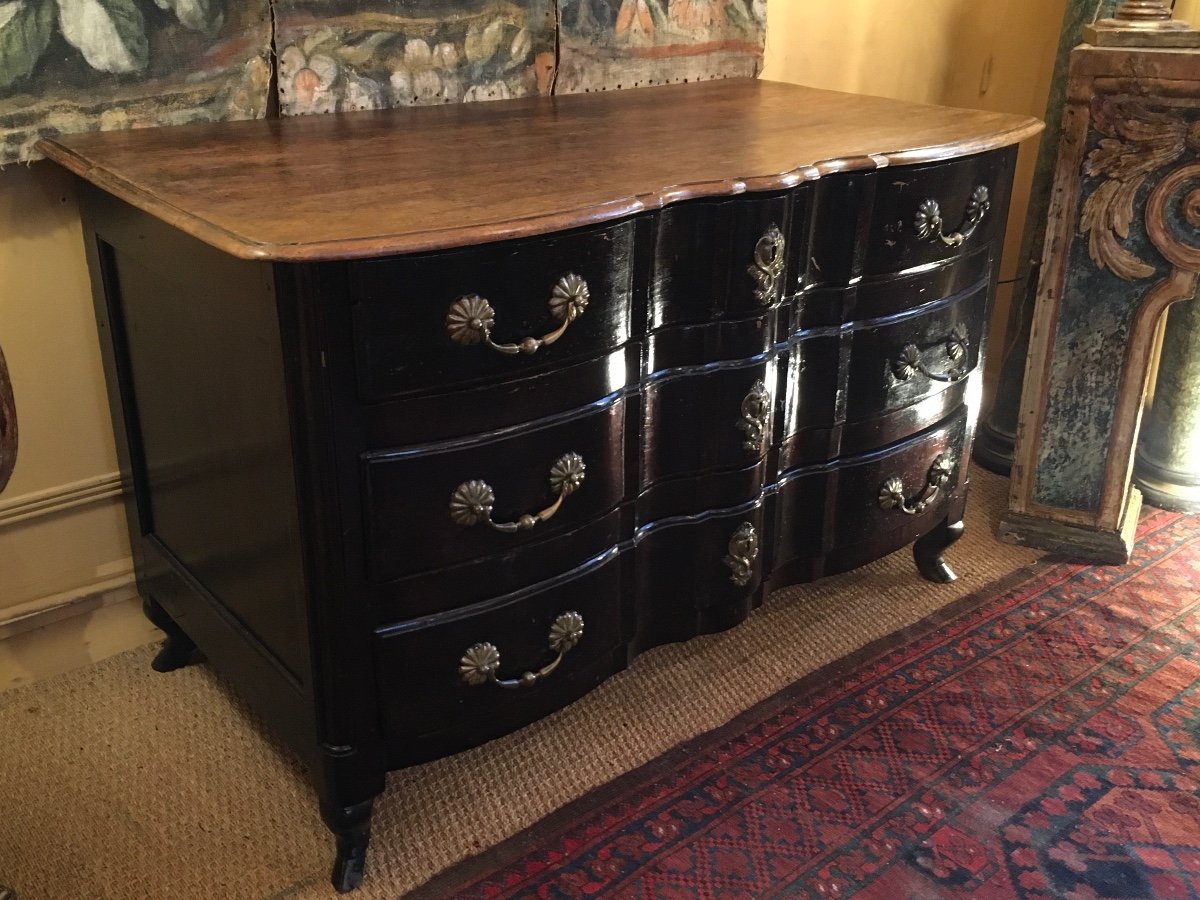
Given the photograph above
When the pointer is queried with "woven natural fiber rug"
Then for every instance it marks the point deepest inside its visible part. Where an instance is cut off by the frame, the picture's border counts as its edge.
(1038, 740)
(117, 782)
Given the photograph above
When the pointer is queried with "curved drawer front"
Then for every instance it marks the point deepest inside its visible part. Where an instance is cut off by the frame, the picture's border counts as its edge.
(699, 574)
(460, 675)
(719, 258)
(815, 400)
(926, 214)
(902, 489)
(900, 360)
(708, 418)
(433, 506)
(493, 311)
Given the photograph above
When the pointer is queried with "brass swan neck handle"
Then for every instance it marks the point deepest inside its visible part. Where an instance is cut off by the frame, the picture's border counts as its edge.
(480, 663)
(928, 220)
(472, 501)
(471, 318)
(892, 494)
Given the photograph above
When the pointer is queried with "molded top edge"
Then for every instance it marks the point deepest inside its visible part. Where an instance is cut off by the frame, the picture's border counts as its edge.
(364, 184)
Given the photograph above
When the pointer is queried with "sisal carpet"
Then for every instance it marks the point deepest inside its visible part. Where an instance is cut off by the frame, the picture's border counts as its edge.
(1042, 740)
(117, 782)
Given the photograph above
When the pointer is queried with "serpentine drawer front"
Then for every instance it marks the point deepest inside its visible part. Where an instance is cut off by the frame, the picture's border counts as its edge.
(511, 392)
(420, 322)
(430, 507)
(926, 214)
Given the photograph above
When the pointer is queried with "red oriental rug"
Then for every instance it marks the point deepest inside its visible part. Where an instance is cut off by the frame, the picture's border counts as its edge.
(1041, 740)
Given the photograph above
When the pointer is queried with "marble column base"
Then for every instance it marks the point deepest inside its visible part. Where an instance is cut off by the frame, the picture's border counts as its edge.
(994, 448)
(1079, 542)
(1176, 491)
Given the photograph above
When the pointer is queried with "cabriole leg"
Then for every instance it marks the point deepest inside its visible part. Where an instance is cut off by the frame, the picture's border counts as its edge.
(928, 550)
(351, 827)
(177, 649)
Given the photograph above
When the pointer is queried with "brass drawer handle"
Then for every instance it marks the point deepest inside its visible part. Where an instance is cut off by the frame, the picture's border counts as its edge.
(471, 318)
(909, 361)
(472, 501)
(892, 494)
(767, 269)
(755, 421)
(928, 221)
(481, 662)
(743, 551)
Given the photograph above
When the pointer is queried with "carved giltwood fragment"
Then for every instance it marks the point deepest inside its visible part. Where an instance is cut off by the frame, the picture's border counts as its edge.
(1123, 244)
(8, 425)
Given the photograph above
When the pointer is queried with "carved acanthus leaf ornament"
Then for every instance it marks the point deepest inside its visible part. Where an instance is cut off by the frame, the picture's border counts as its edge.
(1138, 141)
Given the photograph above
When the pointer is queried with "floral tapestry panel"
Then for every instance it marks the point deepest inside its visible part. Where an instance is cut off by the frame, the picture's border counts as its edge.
(358, 54)
(609, 44)
(82, 65)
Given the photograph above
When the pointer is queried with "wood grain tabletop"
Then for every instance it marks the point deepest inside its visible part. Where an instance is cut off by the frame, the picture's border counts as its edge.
(360, 184)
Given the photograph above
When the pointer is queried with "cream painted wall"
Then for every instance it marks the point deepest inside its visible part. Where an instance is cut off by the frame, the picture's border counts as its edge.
(996, 55)
(893, 48)
(62, 529)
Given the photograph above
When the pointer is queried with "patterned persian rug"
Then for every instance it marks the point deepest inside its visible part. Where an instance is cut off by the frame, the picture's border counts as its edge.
(1039, 739)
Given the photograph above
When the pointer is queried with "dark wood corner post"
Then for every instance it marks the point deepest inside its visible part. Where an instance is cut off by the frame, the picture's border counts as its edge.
(1122, 244)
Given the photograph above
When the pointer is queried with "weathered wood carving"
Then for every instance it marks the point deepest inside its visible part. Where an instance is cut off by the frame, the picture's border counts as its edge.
(8, 425)
(1140, 140)
(1123, 243)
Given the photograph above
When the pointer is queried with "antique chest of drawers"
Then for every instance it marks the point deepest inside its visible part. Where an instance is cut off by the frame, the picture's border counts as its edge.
(433, 419)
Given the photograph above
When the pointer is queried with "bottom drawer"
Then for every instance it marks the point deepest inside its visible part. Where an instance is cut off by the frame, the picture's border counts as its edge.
(901, 489)
(698, 574)
(481, 671)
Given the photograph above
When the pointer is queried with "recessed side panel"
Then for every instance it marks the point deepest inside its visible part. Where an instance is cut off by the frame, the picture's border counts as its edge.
(213, 442)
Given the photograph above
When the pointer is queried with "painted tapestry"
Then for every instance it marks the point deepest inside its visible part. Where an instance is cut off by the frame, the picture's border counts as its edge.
(369, 54)
(607, 44)
(78, 65)
(81, 65)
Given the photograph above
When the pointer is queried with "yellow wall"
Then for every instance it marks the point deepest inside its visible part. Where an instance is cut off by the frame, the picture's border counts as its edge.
(995, 55)
(62, 531)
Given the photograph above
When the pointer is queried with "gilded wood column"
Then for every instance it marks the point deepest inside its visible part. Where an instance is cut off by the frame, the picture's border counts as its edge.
(1122, 244)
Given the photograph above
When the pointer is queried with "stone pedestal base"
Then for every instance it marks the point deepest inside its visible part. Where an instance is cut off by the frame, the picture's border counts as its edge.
(1076, 541)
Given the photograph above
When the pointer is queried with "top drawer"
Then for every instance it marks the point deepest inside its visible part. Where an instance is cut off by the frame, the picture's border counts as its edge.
(717, 259)
(927, 214)
(490, 312)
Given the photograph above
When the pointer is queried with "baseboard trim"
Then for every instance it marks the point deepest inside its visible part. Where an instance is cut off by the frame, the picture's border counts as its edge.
(60, 499)
(57, 607)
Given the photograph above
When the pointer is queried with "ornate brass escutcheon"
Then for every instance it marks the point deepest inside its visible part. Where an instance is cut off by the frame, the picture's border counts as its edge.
(470, 319)
(481, 662)
(928, 221)
(472, 501)
(892, 494)
(767, 270)
(755, 421)
(743, 551)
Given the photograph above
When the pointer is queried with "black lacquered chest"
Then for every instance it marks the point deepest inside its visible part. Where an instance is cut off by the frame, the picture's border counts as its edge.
(426, 450)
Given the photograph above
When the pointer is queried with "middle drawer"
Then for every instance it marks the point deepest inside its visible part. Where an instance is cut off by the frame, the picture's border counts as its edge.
(435, 505)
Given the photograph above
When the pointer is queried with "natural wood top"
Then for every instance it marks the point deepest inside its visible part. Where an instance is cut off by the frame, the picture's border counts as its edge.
(394, 181)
